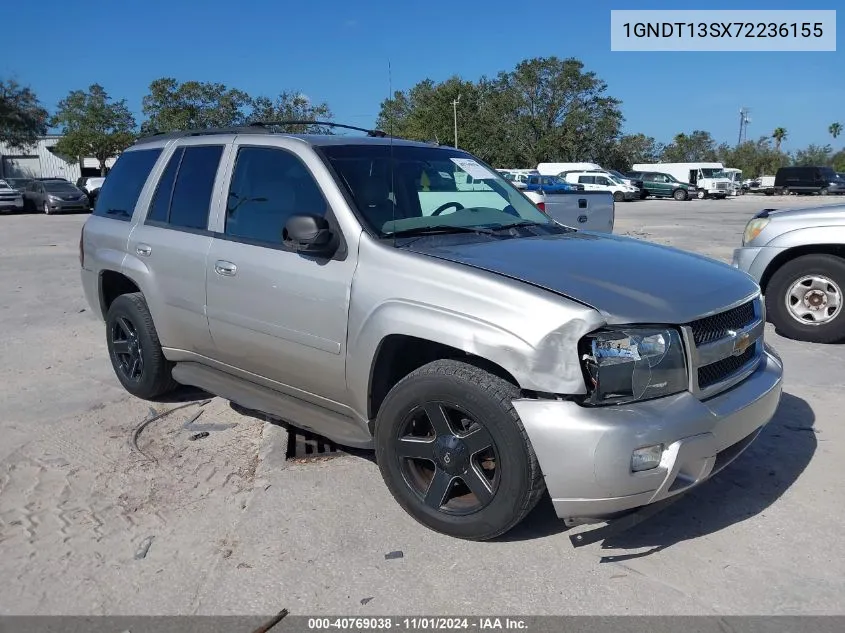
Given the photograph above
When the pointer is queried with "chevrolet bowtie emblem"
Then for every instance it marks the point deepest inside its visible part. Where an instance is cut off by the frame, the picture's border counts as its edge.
(741, 343)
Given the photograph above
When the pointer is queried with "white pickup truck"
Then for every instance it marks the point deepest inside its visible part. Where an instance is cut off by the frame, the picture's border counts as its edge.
(584, 210)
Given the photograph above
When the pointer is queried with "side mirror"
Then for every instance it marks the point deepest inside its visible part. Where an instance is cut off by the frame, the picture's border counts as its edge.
(310, 235)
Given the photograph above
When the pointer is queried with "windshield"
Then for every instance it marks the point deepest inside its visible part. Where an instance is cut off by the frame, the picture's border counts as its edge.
(709, 172)
(59, 187)
(615, 179)
(403, 188)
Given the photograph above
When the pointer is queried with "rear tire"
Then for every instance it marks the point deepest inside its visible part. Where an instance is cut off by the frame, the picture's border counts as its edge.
(680, 195)
(435, 476)
(134, 348)
(787, 297)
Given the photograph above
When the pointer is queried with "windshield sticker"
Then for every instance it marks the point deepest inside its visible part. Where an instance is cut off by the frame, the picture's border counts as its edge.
(473, 169)
(445, 174)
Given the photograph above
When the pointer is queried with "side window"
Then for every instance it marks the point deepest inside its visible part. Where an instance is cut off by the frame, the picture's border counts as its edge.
(191, 199)
(121, 189)
(601, 180)
(587, 180)
(160, 204)
(268, 186)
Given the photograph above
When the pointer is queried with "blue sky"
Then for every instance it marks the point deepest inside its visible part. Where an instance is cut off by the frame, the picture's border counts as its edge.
(338, 52)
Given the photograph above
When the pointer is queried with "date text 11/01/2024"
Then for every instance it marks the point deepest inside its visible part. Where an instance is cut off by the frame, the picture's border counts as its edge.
(417, 623)
(724, 29)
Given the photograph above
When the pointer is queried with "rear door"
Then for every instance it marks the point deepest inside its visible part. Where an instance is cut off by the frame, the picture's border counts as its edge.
(170, 245)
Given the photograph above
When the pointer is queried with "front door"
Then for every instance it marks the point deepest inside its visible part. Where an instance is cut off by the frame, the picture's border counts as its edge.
(273, 312)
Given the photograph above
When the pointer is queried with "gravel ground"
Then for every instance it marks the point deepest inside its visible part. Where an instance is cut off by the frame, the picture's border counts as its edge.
(101, 515)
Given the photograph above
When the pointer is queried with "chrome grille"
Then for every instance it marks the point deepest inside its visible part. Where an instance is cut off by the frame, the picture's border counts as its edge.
(718, 326)
(713, 373)
(716, 344)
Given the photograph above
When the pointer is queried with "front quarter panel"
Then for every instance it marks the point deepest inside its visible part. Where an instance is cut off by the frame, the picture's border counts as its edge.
(529, 332)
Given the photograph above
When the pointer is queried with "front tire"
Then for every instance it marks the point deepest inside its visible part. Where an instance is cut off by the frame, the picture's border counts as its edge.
(618, 196)
(804, 299)
(134, 348)
(701, 194)
(454, 453)
(680, 195)
(47, 210)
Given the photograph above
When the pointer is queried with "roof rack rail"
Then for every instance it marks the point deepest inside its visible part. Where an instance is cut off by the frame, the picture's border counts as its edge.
(376, 133)
(157, 136)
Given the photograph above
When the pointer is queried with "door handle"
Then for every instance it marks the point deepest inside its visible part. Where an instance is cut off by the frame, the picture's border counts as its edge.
(227, 269)
(143, 250)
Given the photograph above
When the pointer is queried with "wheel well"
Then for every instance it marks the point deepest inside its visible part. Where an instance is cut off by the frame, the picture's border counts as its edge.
(398, 355)
(112, 285)
(837, 250)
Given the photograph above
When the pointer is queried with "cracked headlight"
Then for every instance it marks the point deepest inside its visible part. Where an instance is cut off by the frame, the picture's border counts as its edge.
(630, 364)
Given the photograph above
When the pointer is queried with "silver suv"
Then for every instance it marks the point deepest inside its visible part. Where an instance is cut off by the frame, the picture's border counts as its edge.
(357, 287)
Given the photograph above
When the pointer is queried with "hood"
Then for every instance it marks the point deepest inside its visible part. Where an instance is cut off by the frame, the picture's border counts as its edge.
(823, 215)
(628, 280)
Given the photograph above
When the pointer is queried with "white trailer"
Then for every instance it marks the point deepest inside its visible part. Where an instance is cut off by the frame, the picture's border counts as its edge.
(554, 169)
(708, 179)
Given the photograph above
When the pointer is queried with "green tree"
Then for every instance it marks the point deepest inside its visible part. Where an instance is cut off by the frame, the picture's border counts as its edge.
(814, 155)
(291, 106)
(779, 135)
(690, 148)
(546, 109)
(754, 158)
(838, 160)
(631, 149)
(554, 110)
(22, 119)
(93, 125)
(172, 106)
(835, 129)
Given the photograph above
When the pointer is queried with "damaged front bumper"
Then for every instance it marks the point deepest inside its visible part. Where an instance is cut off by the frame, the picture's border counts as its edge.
(585, 453)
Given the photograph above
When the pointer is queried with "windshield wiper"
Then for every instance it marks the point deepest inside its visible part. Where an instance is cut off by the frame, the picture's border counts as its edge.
(521, 223)
(439, 229)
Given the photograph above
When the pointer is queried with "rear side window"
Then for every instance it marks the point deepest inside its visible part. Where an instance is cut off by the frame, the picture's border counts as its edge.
(160, 205)
(191, 198)
(183, 196)
(121, 189)
(587, 180)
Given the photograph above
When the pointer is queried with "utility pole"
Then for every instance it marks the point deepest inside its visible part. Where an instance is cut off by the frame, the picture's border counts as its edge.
(455, 110)
(743, 125)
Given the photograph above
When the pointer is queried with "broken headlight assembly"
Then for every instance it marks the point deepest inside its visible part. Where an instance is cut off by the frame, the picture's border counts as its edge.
(632, 364)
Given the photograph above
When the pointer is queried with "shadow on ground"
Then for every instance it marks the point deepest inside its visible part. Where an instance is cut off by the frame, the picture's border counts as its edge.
(744, 489)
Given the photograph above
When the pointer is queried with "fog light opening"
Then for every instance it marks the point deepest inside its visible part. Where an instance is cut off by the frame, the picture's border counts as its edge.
(646, 458)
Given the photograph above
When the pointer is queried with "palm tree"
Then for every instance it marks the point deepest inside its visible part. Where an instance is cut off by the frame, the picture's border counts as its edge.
(779, 134)
(835, 129)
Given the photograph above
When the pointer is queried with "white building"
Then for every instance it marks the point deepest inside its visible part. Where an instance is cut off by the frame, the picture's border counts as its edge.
(40, 161)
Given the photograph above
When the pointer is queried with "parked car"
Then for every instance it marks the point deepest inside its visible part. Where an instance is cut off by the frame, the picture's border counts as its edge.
(808, 180)
(18, 184)
(10, 199)
(485, 352)
(548, 184)
(55, 195)
(91, 186)
(798, 258)
(592, 181)
(633, 182)
(664, 185)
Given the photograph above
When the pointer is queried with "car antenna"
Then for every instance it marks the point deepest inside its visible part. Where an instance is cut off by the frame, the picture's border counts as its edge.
(390, 134)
